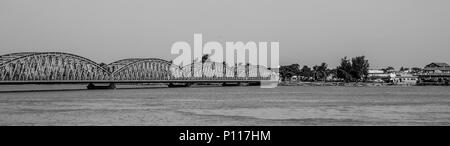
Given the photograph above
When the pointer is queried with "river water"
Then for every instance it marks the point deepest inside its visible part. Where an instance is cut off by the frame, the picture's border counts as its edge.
(235, 106)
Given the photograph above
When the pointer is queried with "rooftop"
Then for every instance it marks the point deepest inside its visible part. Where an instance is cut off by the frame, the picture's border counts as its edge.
(437, 64)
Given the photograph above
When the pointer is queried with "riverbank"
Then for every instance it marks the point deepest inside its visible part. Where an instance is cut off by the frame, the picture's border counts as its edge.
(352, 84)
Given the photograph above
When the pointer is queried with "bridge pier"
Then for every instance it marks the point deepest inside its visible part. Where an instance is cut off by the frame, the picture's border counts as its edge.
(92, 86)
(231, 84)
(254, 84)
(173, 85)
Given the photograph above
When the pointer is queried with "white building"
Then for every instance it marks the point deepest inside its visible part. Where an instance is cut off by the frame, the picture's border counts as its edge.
(404, 79)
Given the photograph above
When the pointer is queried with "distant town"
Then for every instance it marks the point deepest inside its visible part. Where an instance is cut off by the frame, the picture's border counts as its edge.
(357, 70)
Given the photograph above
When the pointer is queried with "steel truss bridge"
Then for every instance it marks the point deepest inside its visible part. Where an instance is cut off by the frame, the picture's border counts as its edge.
(65, 68)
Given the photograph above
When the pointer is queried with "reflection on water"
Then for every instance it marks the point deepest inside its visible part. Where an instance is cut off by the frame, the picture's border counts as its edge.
(225, 106)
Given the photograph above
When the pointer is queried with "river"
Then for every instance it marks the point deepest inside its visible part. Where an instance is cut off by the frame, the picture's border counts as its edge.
(216, 106)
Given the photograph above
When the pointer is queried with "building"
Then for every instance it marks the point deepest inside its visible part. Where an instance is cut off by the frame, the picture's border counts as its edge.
(435, 74)
(435, 67)
(404, 79)
(378, 75)
(375, 72)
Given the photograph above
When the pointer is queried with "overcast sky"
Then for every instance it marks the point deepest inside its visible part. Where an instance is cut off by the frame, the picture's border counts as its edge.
(389, 32)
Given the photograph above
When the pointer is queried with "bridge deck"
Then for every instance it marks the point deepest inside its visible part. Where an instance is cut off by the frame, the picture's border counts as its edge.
(127, 81)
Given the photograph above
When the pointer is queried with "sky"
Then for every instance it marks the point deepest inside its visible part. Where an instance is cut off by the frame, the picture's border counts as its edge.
(388, 32)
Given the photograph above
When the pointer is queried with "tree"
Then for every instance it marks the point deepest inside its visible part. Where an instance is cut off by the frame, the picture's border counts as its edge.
(295, 68)
(357, 69)
(332, 72)
(343, 71)
(284, 73)
(320, 72)
(388, 69)
(315, 72)
(306, 72)
(287, 72)
(205, 58)
(360, 68)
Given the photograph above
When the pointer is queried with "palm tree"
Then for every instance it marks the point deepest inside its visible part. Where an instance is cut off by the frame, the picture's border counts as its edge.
(320, 72)
(205, 58)
(323, 69)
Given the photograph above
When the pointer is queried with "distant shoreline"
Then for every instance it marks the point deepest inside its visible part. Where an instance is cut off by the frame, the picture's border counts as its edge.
(350, 84)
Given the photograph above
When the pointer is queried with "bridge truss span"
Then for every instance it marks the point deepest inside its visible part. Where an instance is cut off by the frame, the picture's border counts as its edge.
(141, 69)
(49, 66)
(58, 67)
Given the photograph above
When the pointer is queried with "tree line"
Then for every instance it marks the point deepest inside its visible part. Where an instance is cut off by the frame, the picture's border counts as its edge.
(349, 70)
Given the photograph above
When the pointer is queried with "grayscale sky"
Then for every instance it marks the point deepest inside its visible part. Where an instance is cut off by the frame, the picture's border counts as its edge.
(389, 32)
